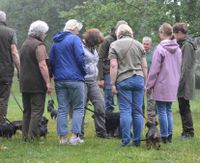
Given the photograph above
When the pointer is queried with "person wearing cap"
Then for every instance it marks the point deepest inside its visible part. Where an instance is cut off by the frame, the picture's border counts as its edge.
(8, 57)
(68, 68)
(104, 67)
(34, 79)
(186, 88)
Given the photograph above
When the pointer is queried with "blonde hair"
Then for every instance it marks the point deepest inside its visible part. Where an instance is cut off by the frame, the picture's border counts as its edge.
(72, 24)
(124, 30)
(166, 28)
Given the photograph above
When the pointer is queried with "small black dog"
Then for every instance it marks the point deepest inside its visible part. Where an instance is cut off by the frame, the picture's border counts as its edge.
(152, 136)
(50, 108)
(43, 127)
(17, 124)
(7, 130)
(112, 124)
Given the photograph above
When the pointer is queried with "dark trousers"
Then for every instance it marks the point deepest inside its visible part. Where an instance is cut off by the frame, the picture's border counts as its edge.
(33, 104)
(4, 97)
(94, 95)
(186, 116)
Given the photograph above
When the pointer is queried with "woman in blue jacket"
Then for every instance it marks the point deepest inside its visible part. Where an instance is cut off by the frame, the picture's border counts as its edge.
(68, 67)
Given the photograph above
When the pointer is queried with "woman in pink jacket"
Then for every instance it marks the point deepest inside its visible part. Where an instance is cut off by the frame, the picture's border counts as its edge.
(163, 79)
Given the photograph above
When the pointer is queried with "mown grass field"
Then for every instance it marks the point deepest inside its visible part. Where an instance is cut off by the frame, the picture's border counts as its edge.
(96, 150)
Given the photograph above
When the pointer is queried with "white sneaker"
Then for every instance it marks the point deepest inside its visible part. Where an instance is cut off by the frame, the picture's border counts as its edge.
(63, 141)
(76, 141)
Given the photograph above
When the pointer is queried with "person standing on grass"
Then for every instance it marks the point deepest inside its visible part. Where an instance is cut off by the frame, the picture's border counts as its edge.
(163, 79)
(34, 79)
(8, 56)
(128, 71)
(68, 67)
(92, 39)
(151, 112)
(104, 67)
(186, 88)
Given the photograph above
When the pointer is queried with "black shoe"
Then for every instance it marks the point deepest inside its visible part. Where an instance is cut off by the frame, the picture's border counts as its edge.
(187, 136)
(169, 138)
(164, 140)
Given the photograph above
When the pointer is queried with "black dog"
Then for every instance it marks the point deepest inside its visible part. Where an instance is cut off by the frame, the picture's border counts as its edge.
(112, 124)
(7, 130)
(51, 110)
(17, 124)
(152, 136)
(43, 127)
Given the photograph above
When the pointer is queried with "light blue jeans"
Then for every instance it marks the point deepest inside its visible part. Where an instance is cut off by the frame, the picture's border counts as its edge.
(165, 118)
(108, 96)
(133, 89)
(73, 92)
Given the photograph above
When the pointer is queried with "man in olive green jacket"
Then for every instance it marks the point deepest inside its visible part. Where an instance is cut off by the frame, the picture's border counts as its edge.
(187, 82)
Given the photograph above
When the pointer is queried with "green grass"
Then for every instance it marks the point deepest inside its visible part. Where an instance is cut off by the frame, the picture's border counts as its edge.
(96, 150)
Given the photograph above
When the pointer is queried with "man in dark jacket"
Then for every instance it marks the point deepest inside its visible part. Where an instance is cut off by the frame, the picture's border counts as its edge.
(8, 55)
(187, 82)
(34, 79)
(104, 67)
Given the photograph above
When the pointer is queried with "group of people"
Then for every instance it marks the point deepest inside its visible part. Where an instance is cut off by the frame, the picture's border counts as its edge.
(117, 63)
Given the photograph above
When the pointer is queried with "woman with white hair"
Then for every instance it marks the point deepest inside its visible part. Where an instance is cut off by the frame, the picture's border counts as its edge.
(128, 70)
(68, 68)
(34, 78)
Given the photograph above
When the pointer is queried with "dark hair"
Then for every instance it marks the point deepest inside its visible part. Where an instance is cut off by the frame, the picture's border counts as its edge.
(166, 29)
(182, 27)
(93, 37)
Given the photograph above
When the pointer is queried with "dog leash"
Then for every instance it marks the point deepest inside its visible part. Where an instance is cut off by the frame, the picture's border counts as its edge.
(20, 107)
(9, 121)
(120, 93)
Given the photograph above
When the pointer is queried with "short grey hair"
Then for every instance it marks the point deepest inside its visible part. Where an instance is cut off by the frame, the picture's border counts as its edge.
(146, 38)
(124, 30)
(2, 16)
(38, 28)
(72, 24)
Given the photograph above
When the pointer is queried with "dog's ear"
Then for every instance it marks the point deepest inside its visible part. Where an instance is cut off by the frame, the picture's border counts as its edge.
(148, 124)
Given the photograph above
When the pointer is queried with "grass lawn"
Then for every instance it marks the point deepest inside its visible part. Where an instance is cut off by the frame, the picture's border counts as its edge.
(96, 150)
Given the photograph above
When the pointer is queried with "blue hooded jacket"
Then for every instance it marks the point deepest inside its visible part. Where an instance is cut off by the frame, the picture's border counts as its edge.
(67, 57)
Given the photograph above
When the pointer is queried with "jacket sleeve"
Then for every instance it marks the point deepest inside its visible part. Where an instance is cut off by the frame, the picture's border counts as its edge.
(188, 61)
(51, 60)
(79, 55)
(155, 69)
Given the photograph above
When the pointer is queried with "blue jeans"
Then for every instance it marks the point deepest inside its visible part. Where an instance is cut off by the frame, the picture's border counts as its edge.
(133, 89)
(73, 92)
(108, 96)
(165, 117)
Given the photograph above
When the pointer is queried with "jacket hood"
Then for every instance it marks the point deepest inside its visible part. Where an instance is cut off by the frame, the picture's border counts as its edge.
(192, 41)
(60, 36)
(169, 45)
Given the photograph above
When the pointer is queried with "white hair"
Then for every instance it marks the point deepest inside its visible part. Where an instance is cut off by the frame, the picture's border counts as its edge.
(124, 30)
(38, 28)
(146, 38)
(72, 24)
(2, 16)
